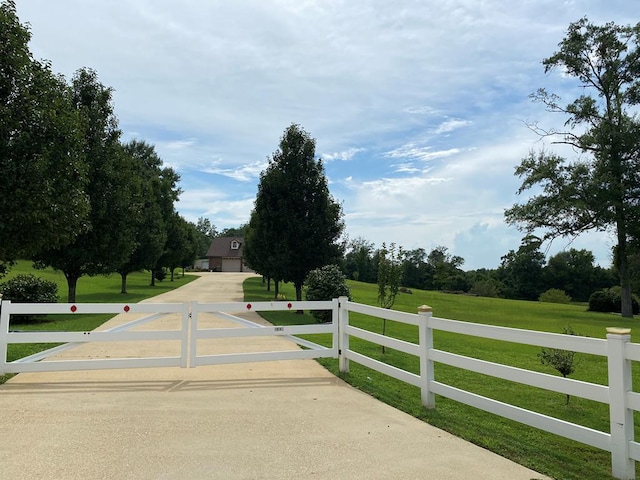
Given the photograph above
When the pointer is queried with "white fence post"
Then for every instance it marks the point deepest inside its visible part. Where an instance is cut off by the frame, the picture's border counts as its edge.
(335, 319)
(343, 337)
(620, 415)
(425, 336)
(4, 332)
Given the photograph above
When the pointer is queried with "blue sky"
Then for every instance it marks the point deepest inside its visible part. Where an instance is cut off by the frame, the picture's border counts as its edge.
(419, 108)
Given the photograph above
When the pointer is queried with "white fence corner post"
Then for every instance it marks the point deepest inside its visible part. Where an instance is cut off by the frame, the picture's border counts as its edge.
(425, 336)
(620, 415)
(4, 333)
(343, 337)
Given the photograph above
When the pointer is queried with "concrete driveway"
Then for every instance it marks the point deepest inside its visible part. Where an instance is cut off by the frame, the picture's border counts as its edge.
(277, 420)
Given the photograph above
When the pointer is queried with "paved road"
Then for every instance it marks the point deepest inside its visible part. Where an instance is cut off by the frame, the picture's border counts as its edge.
(278, 420)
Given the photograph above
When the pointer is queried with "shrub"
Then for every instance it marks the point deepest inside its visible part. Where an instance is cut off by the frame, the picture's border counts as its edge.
(610, 300)
(28, 288)
(562, 360)
(554, 295)
(486, 287)
(160, 274)
(325, 283)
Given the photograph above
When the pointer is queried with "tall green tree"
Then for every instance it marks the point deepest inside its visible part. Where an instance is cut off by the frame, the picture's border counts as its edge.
(416, 272)
(600, 190)
(169, 194)
(206, 232)
(297, 224)
(358, 261)
(109, 239)
(148, 202)
(446, 270)
(257, 251)
(575, 272)
(192, 248)
(42, 172)
(179, 246)
(521, 271)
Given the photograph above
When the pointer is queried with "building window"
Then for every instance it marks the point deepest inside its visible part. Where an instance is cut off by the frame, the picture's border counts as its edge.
(235, 245)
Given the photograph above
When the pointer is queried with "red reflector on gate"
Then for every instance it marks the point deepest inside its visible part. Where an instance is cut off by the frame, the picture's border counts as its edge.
(127, 308)
(248, 306)
(289, 305)
(73, 309)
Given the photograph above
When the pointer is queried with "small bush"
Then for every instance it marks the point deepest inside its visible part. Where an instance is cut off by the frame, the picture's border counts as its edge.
(29, 289)
(610, 300)
(160, 274)
(325, 283)
(486, 287)
(601, 301)
(554, 295)
(405, 290)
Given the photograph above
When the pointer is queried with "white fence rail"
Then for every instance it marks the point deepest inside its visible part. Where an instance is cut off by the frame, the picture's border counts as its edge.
(618, 394)
(617, 349)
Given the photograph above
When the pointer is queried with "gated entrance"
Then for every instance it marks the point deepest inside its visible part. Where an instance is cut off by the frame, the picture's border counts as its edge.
(190, 327)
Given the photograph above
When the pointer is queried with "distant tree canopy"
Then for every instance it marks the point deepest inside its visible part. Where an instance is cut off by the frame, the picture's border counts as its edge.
(600, 190)
(295, 224)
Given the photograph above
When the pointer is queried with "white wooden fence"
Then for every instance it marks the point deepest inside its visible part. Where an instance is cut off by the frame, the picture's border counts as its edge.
(617, 349)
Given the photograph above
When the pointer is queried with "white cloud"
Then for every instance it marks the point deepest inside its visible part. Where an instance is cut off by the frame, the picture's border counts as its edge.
(451, 125)
(424, 153)
(178, 144)
(406, 168)
(344, 155)
(244, 173)
(422, 110)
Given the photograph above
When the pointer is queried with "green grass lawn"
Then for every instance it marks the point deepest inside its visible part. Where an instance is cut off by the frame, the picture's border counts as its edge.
(549, 454)
(98, 289)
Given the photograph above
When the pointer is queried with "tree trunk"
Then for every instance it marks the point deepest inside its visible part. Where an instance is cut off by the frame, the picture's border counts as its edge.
(172, 270)
(276, 289)
(72, 283)
(153, 278)
(622, 260)
(123, 287)
(268, 284)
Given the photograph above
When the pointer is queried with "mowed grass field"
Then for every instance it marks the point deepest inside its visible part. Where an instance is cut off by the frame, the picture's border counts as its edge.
(98, 289)
(544, 452)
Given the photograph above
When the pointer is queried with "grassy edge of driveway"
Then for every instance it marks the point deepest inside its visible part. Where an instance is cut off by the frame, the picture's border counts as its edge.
(549, 454)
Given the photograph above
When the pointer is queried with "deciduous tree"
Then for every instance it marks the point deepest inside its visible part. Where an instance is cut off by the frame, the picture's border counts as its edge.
(42, 171)
(148, 202)
(521, 271)
(109, 240)
(600, 190)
